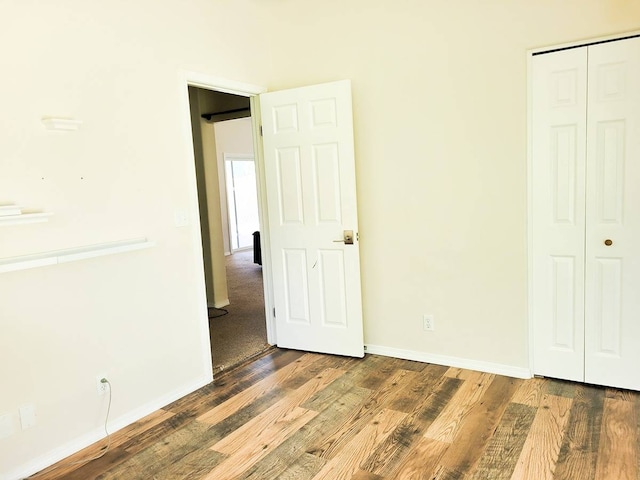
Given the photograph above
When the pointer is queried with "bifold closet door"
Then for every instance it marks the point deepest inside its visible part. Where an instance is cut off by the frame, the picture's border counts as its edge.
(612, 303)
(586, 214)
(559, 102)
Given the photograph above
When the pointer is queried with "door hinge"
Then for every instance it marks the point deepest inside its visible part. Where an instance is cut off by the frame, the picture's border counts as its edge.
(274, 312)
(261, 131)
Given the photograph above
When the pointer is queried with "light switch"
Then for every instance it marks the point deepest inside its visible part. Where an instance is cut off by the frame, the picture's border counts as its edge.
(28, 416)
(181, 218)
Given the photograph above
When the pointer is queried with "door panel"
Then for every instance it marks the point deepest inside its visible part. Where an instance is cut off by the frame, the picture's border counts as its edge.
(612, 316)
(607, 303)
(295, 286)
(311, 196)
(332, 288)
(558, 173)
(327, 177)
(563, 287)
(289, 186)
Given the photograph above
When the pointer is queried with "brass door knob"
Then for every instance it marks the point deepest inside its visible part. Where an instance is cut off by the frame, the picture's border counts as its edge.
(608, 242)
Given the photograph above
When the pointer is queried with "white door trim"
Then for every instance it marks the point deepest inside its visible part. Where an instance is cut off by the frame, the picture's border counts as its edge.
(530, 53)
(188, 79)
(238, 156)
(579, 43)
(267, 275)
(220, 84)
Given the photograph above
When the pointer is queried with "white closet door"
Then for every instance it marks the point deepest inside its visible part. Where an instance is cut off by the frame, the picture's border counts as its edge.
(558, 212)
(612, 314)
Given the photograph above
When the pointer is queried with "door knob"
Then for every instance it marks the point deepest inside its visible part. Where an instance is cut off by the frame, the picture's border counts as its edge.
(608, 242)
(347, 239)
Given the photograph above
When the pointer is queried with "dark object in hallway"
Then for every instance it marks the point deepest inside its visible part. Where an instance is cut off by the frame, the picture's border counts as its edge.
(257, 253)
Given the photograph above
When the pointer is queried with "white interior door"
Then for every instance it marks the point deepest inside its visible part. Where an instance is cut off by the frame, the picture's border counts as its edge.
(586, 214)
(558, 212)
(311, 197)
(612, 314)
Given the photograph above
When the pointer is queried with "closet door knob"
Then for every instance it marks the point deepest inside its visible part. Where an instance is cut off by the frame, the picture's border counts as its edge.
(608, 242)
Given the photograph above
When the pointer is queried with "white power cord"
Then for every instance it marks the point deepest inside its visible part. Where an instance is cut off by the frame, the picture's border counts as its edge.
(104, 449)
(106, 419)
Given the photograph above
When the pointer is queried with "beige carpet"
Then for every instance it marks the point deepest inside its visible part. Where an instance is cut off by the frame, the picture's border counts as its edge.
(241, 333)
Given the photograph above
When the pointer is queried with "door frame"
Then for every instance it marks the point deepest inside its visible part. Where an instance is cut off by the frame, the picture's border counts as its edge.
(530, 233)
(208, 82)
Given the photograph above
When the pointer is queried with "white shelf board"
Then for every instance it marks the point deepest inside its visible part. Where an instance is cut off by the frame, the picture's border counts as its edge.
(24, 262)
(24, 218)
(54, 123)
(10, 210)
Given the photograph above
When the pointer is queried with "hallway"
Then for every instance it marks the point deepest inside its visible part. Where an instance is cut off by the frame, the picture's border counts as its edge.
(240, 334)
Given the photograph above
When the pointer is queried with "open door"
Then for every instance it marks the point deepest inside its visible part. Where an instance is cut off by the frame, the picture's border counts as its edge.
(309, 168)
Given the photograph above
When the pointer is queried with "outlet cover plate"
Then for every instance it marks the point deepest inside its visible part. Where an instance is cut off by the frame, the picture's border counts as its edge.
(102, 388)
(27, 415)
(428, 323)
(6, 425)
(181, 217)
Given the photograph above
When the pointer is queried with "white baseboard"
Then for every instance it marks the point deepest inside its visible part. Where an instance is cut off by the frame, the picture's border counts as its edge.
(220, 304)
(457, 362)
(89, 438)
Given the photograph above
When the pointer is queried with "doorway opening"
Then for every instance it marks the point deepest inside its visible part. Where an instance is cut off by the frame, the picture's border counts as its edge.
(228, 205)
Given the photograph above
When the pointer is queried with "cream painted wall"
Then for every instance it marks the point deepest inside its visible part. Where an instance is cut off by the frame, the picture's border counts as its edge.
(207, 257)
(232, 136)
(209, 199)
(221, 293)
(439, 93)
(138, 317)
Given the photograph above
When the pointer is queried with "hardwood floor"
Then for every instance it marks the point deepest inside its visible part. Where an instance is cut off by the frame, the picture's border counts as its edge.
(295, 415)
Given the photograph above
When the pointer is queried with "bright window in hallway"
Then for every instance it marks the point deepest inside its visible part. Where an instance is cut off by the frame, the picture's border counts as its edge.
(242, 200)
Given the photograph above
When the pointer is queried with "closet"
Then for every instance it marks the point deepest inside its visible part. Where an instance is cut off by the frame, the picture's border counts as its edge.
(585, 213)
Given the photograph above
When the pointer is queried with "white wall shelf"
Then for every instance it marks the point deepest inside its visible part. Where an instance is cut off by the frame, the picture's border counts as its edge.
(55, 123)
(24, 262)
(24, 218)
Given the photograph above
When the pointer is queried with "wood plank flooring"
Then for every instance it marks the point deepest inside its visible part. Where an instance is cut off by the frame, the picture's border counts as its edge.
(303, 416)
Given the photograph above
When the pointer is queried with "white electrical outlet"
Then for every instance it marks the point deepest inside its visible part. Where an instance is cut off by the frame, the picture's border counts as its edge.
(6, 425)
(428, 322)
(103, 387)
